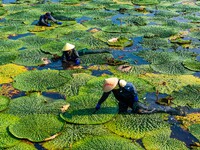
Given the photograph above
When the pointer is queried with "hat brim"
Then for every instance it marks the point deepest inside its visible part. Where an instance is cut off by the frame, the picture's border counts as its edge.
(111, 86)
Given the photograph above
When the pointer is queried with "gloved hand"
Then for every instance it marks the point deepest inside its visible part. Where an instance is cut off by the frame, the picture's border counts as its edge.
(98, 106)
(136, 98)
(59, 23)
(48, 24)
(77, 61)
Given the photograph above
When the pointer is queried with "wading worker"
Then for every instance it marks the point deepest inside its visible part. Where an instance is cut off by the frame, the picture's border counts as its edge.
(126, 95)
(70, 56)
(43, 20)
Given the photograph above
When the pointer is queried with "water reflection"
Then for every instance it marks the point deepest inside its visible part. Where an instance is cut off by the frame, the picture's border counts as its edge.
(19, 36)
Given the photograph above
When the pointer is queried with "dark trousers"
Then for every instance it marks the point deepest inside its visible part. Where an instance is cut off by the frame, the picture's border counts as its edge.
(143, 109)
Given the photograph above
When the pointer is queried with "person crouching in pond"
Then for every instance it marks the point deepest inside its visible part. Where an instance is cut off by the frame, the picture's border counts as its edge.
(43, 20)
(70, 56)
(126, 95)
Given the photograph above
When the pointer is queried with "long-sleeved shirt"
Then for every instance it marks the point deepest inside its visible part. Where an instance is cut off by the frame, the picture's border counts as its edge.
(44, 20)
(70, 55)
(122, 95)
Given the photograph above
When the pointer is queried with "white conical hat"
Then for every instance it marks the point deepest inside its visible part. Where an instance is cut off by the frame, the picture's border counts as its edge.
(68, 47)
(109, 84)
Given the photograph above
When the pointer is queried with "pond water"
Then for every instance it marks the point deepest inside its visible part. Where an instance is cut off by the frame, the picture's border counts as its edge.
(19, 36)
(129, 57)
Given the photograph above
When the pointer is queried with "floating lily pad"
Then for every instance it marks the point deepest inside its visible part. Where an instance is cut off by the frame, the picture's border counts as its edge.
(39, 80)
(72, 87)
(82, 110)
(35, 104)
(145, 2)
(37, 127)
(4, 102)
(10, 46)
(6, 139)
(169, 83)
(187, 96)
(136, 126)
(121, 42)
(54, 48)
(35, 42)
(106, 143)
(31, 57)
(168, 63)
(96, 59)
(192, 65)
(195, 130)
(7, 57)
(162, 140)
(24, 146)
(73, 133)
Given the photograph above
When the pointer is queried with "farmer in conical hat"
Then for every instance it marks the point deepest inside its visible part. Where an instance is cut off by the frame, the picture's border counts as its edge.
(43, 20)
(70, 56)
(126, 95)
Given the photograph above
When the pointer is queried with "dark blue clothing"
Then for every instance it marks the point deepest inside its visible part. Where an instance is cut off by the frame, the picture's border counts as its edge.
(127, 96)
(43, 20)
(71, 55)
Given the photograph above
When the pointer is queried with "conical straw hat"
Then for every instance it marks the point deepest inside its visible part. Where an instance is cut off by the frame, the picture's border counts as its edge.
(68, 47)
(110, 84)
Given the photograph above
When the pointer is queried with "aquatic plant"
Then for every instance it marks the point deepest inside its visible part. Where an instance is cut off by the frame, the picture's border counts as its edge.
(54, 48)
(135, 20)
(195, 130)
(195, 34)
(35, 42)
(154, 43)
(121, 42)
(183, 8)
(4, 102)
(119, 29)
(105, 36)
(187, 96)
(97, 14)
(166, 14)
(81, 110)
(189, 119)
(158, 31)
(98, 23)
(61, 31)
(35, 104)
(6, 139)
(96, 59)
(31, 57)
(192, 65)
(10, 45)
(24, 146)
(7, 57)
(136, 126)
(169, 83)
(27, 16)
(165, 62)
(12, 8)
(33, 128)
(39, 80)
(2, 11)
(162, 140)
(119, 7)
(9, 71)
(177, 25)
(78, 79)
(106, 143)
(74, 133)
(145, 2)
(8, 90)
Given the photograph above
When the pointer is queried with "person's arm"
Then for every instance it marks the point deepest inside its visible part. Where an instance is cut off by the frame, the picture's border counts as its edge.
(102, 99)
(53, 19)
(44, 22)
(76, 53)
